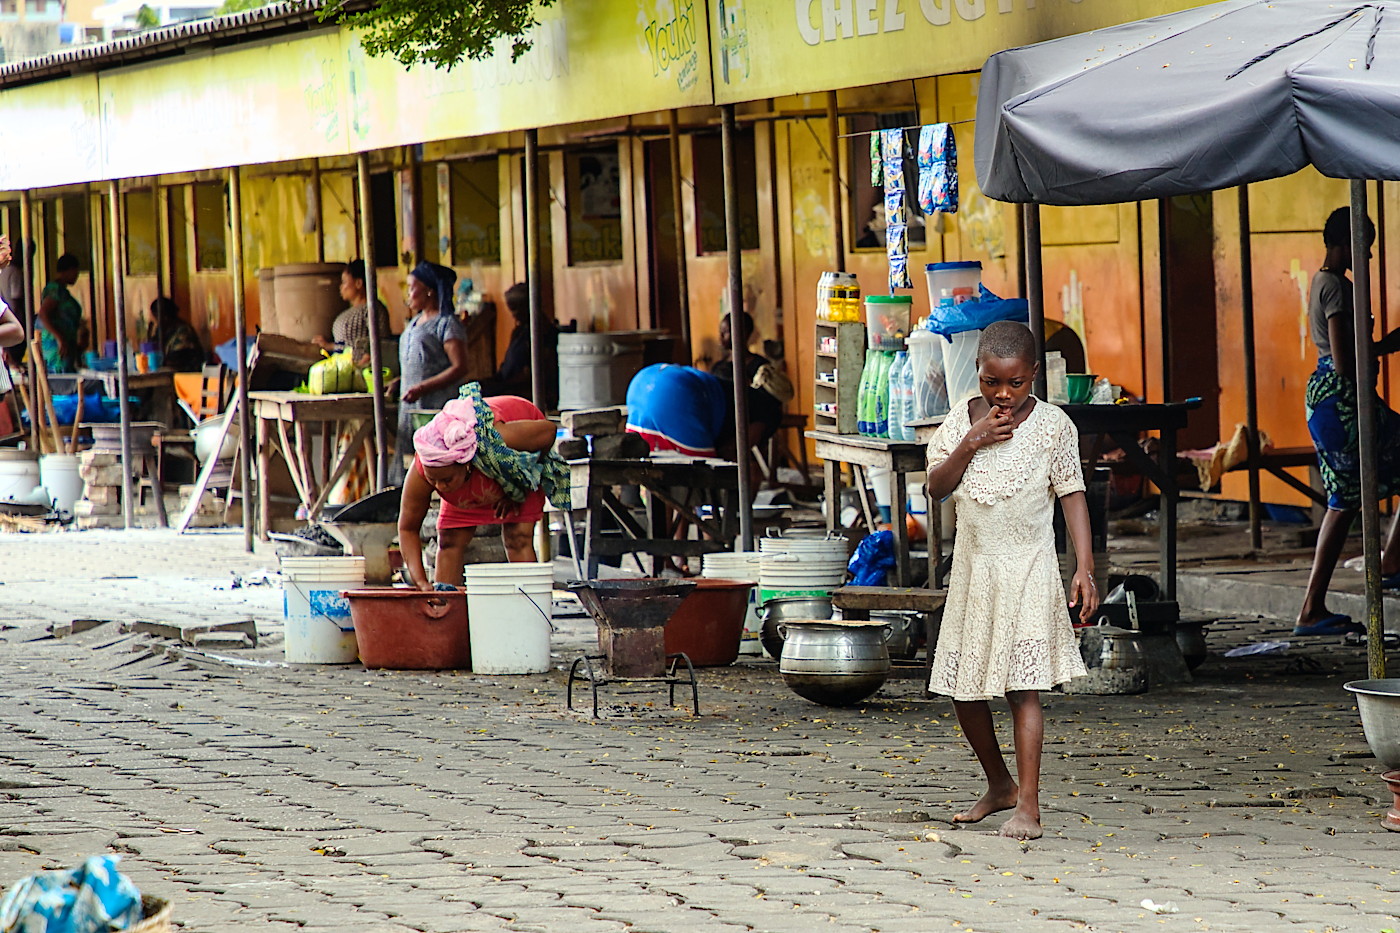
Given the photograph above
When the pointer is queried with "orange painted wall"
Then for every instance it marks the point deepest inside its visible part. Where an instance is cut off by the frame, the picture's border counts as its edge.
(1286, 218)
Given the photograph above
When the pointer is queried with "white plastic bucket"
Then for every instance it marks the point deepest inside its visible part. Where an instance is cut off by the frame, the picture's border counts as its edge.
(59, 475)
(783, 576)
(318, 626)
(509, 607)
(19, 474)
(960, 365)
(816, 548)
(740, 565)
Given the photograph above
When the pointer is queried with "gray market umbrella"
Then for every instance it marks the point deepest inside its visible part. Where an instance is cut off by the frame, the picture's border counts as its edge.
(1208, 98)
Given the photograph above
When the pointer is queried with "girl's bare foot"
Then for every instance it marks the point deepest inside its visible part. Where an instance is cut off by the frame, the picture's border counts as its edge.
(993, 801)
(1022, 825)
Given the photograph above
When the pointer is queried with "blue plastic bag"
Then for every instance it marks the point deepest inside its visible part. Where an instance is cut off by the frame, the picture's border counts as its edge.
(986, 309)
(92, 898)
(873, 560)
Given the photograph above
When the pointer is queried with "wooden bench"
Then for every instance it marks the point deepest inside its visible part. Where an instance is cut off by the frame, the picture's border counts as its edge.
(1278, 460)
(857, 602)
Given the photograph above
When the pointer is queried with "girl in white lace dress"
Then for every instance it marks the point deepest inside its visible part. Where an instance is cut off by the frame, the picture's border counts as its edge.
(1004, 457)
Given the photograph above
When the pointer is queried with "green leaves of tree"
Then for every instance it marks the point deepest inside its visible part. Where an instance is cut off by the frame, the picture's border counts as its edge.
(440, 33)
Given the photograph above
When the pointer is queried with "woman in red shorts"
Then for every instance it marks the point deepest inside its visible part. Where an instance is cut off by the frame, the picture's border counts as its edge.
(442, 463)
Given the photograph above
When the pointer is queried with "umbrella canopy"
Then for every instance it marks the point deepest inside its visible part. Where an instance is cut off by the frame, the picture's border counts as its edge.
(1208, 98)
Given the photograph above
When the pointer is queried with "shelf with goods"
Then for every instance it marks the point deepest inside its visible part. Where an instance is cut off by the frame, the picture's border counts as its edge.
(839, 363)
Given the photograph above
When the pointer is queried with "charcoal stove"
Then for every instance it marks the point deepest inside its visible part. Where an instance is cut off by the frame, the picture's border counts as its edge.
(632, 617)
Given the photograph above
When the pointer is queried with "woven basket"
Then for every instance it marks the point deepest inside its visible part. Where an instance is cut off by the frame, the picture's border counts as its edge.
(156, 912)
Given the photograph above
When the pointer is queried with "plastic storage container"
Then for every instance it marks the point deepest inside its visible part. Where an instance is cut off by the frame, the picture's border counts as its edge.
(961, 280)
(960, 364)
(926, 371)
(887, 320)
(403, 629)
(709, 625)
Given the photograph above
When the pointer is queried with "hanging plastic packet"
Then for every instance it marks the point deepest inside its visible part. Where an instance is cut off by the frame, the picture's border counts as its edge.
(892, 155)
(896, 232)
(938, 169)
(897, 252)
(894, 205)
(877, 172)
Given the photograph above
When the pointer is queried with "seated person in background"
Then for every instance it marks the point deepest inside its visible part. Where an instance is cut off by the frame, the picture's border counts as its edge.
(351, 326)
(765, 408)
(180, 346)
(514, 375)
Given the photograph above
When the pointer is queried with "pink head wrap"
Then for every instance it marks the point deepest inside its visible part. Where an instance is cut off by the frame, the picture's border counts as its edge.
(450, 437)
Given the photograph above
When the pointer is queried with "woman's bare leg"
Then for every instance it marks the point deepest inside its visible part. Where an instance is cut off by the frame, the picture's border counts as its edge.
(1331, 538)
(976, 720)
(452, 554)
(519, 539)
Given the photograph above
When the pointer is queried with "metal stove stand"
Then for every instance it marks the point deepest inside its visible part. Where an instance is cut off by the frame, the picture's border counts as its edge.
(597, 676)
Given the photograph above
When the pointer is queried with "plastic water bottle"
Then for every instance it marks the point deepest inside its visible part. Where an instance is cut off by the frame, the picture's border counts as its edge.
(881, 391)
(899, 367)
(865, 397)
(910, 402)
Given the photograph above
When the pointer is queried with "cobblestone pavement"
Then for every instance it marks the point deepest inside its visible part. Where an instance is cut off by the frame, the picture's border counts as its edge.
(273, 797)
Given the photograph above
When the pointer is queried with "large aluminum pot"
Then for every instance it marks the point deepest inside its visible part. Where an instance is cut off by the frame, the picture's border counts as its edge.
(834, 662)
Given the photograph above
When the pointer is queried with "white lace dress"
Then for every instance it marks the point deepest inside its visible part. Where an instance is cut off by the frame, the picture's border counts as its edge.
(1005, 624)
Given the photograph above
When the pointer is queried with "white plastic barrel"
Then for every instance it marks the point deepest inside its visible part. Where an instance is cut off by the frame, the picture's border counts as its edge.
(740, 565)
(318, 626)
(19, 474)
(59, 475)
(509, 607)
(783, 576)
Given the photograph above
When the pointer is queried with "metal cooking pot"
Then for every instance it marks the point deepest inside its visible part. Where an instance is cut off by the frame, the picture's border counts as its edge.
(899, 638)
(834, 662)
(784, 609)
(1116, 661)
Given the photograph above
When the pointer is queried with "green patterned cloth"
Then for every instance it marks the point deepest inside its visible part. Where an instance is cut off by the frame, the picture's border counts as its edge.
(518, 473)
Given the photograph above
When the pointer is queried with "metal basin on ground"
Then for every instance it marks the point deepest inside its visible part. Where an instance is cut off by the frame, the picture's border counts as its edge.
(1379, 703)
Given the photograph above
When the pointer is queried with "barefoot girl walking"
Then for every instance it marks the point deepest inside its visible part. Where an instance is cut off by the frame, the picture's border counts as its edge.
(1004, 457)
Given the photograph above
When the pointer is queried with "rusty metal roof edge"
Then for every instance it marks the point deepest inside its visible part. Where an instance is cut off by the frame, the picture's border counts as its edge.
(234, 28)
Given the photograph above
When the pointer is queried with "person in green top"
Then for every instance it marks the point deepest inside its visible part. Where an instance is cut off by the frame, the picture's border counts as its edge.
(60, 319)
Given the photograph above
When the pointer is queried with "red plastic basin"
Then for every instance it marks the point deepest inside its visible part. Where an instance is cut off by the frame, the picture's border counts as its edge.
(404, 629)
(708, 626)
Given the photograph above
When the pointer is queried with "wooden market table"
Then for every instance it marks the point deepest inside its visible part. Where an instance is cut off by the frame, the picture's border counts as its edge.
(900, 458)
(702, 491)
(286, 424)
(1125, 424)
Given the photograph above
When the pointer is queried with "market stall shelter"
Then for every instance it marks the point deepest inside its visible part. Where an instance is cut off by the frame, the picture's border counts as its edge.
(307, 106)
(1220, 96)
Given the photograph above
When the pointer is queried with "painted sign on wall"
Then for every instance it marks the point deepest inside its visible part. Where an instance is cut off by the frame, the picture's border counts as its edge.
(771, 49)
